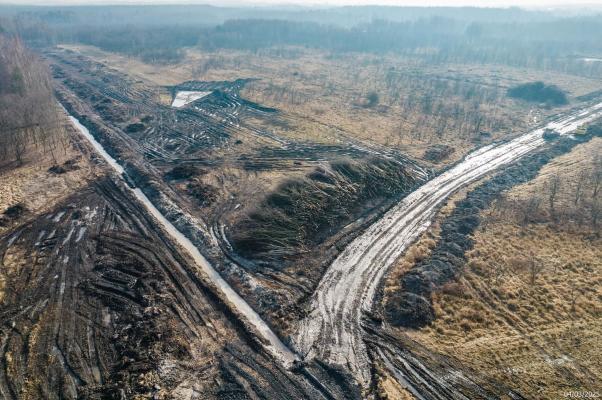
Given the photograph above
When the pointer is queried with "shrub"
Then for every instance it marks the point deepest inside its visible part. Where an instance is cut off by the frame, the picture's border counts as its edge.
(135, 127)
(539, 92)
(372, 99)
(183, 172)
(204, 194)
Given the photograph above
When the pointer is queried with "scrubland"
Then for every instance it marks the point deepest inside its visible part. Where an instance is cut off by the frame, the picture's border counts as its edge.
(525, 309)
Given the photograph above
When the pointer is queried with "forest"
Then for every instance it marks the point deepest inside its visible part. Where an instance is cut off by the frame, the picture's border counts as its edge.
(514, 37)
(29, 115)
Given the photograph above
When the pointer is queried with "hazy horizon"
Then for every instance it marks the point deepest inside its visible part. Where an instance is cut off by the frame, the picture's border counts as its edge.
(316, 3)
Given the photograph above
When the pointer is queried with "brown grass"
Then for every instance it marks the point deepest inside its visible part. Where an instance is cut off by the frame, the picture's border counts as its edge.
(537, 332)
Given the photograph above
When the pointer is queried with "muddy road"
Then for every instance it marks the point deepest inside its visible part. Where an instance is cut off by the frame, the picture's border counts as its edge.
(333, 330)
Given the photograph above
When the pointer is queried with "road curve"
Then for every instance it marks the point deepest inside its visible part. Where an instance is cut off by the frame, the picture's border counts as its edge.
(332, 330)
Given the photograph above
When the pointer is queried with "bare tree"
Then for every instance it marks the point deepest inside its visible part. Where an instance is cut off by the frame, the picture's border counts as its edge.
(530, 209)
(579, 188)
(596, 211)
(574, 292)
(553, 187)
(29, 116)
(498, 271)
(597, 177)
(536, 266)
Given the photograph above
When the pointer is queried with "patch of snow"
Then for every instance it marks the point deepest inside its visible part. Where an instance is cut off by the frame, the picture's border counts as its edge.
(184, 97)
(80, 234)
(40, 237)
(12, 239)
(97, 146)
(58, 216)
(92, 214)
(68, 236)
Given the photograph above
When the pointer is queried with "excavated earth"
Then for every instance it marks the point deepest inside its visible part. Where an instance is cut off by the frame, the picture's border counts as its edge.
(99, 304)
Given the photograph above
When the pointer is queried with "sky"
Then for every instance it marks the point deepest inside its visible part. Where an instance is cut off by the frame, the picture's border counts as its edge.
(479, 3)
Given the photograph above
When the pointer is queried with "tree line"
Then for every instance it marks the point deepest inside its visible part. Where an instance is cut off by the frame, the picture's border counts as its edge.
(29, 115)
(436, 35)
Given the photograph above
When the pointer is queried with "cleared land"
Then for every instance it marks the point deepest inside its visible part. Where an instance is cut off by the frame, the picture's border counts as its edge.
(215, 160)
(270, 204)
(242, 155)
(42, 180)
(329, 96)
(97, 301)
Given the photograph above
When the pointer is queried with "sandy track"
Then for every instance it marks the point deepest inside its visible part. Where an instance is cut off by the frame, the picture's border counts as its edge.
(332, 330)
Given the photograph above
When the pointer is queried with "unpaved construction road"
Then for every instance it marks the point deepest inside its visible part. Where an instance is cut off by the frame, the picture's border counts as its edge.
(273, 343)
(332, 331)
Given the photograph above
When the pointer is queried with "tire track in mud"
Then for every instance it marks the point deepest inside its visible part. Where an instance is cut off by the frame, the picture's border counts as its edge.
(333, 328)
(272, 342)
(320, 379)
(116, 311)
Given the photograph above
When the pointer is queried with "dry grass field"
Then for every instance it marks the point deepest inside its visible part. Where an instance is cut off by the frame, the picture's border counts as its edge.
(527, 308)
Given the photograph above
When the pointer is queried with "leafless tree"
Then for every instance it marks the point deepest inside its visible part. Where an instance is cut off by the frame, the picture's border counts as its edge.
(536, 266)
(579, 188)
(574, 292)
(498, 271)
(596, 211)
(597, 177)
(553, 187)
(530, 209)
(29, 115)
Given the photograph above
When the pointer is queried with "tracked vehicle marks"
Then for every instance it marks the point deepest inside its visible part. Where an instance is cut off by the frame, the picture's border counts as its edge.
(121, 310)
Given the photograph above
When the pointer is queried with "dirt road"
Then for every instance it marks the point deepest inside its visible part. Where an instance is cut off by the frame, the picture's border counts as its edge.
(332, 330)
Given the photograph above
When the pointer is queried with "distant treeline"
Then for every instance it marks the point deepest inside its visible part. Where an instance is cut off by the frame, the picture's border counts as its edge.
(157, 33)
(544, 44)
(154, 45)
